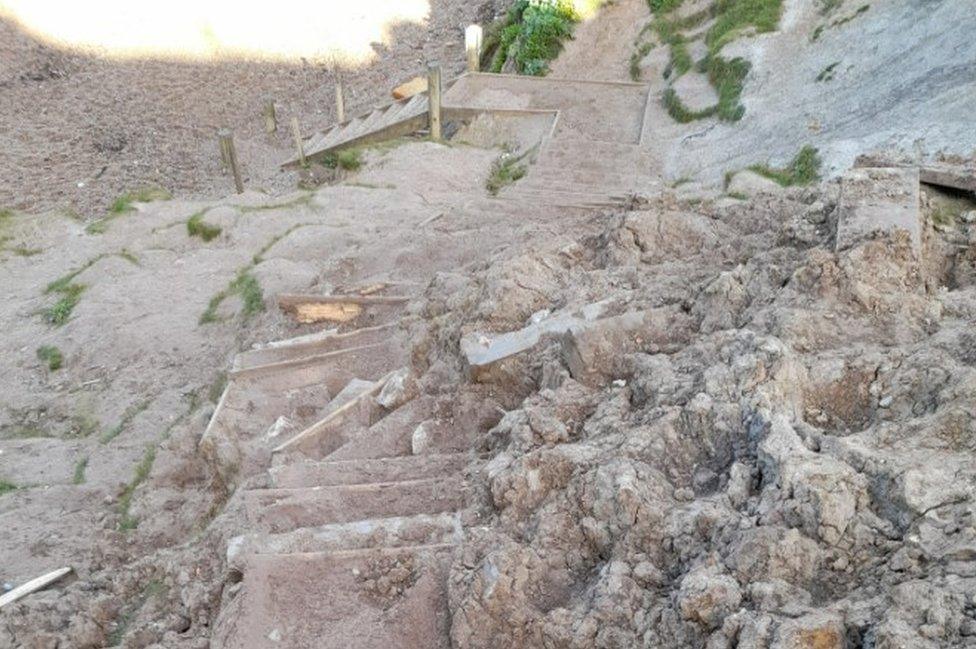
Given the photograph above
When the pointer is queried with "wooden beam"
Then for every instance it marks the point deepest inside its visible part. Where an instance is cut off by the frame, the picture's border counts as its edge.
(952, 176)
(33, 586)
(292, 300)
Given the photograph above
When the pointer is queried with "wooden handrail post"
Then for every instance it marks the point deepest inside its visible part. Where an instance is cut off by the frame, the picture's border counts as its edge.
(340, 98)
(434, 99)
(473, 38)
(270, 117)
(230, 155)
(297, 134)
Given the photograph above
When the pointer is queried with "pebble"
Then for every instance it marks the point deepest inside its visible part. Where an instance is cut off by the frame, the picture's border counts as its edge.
(885, 401)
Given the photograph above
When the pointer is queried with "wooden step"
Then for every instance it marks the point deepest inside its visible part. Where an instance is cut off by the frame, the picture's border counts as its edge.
(282, 510)
(306, 346)
(363, 599)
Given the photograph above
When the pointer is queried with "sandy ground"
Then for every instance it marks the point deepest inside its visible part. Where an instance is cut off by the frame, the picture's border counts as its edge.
(77, 130)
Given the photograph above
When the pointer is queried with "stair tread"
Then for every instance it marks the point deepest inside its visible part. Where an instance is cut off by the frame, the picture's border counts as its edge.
(375, 598)
(280, 510)
(367, 470)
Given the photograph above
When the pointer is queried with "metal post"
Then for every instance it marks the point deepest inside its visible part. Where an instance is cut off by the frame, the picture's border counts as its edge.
(297, 133)
(434, 99)
(473, 38)
(227, 148)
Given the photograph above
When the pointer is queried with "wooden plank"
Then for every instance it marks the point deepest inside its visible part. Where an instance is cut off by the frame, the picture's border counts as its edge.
(295, 363)
(33, 586)
(291, 300)
(322, 425)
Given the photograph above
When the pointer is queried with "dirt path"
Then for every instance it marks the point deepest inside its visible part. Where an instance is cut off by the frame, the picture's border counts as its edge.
(602, 45)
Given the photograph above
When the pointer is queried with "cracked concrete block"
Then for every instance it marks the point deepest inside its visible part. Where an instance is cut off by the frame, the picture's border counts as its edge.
(878, 202)
(595, 352)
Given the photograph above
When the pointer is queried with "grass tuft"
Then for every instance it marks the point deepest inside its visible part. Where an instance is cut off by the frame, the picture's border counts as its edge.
(128, 522)
(6, 487)
(506, 170)
(803, 169)
(347, 159)
(130, 413)
(125, 204)
(827, 74)
(51, 356)
(80, 467)
(60, 312)
(734, 17)
(196, 227)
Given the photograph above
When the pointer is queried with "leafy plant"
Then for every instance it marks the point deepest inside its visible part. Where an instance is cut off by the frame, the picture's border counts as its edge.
(504, 171)
(51, 356)
(531, 35)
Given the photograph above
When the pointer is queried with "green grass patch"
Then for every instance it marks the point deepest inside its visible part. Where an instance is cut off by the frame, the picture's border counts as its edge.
(728, 77)
(6, 487)
(735, 17)
(643, 49)
(127, 522)
(530, 35)
(216, 389)
(803, 169)
(827, 74)
(196, 227)
(80, 467)
(130, 413)
(51, 356)
(663, 6)
(506, 170)
(60, 312)
(245, 285)
(70, 291)
(125, 204)
(681, 113)
(347, 159)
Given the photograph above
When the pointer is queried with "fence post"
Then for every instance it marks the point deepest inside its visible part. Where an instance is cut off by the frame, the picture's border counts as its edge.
(473, 38)
(270, 117)
(230, 155)
(434, 99)
(297, 133)
(340, 99)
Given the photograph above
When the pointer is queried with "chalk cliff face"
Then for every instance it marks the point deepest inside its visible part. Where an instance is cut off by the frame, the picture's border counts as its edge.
(846, 77)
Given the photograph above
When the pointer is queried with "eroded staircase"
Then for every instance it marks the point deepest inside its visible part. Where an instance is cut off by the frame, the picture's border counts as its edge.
(350, 532)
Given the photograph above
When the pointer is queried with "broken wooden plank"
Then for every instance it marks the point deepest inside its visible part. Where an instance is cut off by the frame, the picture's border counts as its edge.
(34, 585)
(334, 308)
(338, 414)
(295, 363)
(318, 343)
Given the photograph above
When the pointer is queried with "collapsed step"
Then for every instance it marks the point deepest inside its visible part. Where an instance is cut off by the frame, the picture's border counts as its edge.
(281, 510)
(363, 599)
(392, 532)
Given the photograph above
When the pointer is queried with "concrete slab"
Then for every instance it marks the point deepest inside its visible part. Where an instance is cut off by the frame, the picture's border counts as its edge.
(878, 202)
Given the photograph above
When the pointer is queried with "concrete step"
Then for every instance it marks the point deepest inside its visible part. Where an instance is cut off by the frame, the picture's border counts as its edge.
(392, 532)
(565, 199)
(309, 473)
(282, 510)
(364, 599)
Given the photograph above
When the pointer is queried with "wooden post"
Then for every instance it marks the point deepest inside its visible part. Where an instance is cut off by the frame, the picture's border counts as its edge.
(227, 148)
(270, 117)
(340, 99)
(434, 99)
(473, 37)
(297, 134)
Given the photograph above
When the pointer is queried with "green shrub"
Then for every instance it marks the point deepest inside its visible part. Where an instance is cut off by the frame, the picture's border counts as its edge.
(803, 169)
(531, 35)
(505, 171)
(51, 356)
